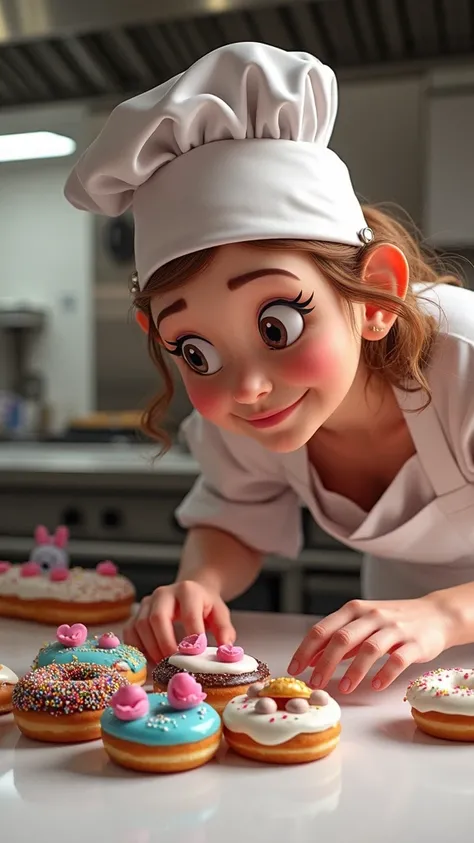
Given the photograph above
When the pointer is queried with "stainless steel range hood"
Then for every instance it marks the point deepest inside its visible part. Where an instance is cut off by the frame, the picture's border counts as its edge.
(74, 49)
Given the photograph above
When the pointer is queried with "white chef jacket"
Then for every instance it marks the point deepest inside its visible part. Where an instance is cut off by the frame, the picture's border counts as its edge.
(419, 536)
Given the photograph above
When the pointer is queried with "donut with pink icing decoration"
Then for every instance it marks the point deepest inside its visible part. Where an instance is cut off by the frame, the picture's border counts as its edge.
(73, 644)
(223, 672)
(46, 588)
(282, 721)
(161, 733)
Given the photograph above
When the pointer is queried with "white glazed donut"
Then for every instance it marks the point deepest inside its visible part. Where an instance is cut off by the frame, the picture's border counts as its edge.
(281, 721)
(442, 703)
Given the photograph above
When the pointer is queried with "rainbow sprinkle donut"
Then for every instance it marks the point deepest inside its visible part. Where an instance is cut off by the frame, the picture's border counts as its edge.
(64, 703)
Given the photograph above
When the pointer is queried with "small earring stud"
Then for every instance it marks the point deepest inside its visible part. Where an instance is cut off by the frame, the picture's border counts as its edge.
(377, 330)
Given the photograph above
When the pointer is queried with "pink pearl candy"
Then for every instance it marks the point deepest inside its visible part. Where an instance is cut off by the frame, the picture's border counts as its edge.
(58, 574)
(107, 569)
(4, 566)
(30, 569)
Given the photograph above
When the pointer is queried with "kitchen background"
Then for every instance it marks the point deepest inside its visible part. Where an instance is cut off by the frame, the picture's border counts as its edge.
(74, 373)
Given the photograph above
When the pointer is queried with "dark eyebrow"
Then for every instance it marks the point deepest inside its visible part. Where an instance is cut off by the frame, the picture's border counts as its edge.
(176, 307)
(240, 280)
(233, 284)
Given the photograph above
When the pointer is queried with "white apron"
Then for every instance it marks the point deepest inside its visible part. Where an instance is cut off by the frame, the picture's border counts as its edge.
(431, 550)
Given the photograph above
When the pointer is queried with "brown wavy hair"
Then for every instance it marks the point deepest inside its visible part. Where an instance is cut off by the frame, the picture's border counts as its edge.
(400, 356)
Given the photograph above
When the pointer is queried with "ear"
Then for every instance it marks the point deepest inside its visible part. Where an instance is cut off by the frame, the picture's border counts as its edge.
(41, 535)
(61, 536)
(142, 321)
(386, 267)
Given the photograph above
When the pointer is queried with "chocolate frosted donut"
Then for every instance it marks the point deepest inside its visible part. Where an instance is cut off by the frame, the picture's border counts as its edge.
(222, 672)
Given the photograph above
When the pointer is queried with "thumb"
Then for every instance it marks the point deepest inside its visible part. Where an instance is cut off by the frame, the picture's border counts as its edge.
(218, 621)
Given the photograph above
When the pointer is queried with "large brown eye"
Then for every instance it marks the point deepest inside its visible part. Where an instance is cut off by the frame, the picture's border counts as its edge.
(201, 356)
(280, 325)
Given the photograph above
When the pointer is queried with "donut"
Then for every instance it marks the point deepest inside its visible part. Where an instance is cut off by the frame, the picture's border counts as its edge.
(224, 672)
(8, 680)
(281, 721)
(73, 645)
(63, 703)
(61, 595)
(442, 703)
(161, 733)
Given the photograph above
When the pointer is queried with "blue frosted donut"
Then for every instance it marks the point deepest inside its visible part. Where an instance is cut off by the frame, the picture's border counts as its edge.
(160, 738)
(126, 659)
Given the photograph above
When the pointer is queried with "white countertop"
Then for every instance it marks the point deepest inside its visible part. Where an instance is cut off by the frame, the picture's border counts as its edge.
(385, 782)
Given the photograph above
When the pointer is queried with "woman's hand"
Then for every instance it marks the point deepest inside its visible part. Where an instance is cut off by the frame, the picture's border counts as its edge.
(408, 631)
(189, 602)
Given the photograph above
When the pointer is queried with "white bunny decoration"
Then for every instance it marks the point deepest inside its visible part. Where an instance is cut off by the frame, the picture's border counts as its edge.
(50, 551)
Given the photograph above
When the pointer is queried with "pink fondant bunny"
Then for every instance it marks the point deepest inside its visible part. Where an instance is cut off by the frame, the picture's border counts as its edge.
(50, 551)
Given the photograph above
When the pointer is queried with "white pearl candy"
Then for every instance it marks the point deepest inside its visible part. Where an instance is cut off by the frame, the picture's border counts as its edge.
(297, 706)
(265, 705)
(254, 689)
(319, 698)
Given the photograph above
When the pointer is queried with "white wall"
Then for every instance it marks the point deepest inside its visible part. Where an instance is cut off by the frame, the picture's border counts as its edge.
(46, 252)
(378, 133)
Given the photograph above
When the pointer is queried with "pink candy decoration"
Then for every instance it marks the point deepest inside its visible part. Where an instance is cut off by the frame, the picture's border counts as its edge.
(130, 703)
(184, 692)
(30, 569)
(297, 706)
(319, 698)
(229, 653)
(109, 641)
(4, 566)
(192, 645)
(265, 705)
(71, 636)
(59, 574)
(254, 690)
(107, 569)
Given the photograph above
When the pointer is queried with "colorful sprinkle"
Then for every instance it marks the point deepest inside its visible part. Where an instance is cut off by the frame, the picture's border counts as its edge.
(62, 689)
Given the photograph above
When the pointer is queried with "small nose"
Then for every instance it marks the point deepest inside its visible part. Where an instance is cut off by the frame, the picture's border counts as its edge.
(250, 385)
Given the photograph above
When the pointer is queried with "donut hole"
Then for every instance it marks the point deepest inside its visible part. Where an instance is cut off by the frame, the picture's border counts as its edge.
(463, 680)
(83, 672)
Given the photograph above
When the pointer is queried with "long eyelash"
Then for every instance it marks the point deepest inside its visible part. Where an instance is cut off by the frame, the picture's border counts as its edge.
(178, 344)
(301, 306)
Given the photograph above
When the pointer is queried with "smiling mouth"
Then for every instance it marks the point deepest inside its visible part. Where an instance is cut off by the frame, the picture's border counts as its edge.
(273, 418)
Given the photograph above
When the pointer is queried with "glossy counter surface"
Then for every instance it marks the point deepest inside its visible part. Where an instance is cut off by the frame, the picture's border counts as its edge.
(385, 782)
(113, 458)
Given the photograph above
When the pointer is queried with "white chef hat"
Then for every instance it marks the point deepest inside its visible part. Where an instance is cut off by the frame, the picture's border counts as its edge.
(234, 149)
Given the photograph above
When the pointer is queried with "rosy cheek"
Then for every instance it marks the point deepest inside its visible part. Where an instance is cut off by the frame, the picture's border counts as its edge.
(314, 362)
(205, 396)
